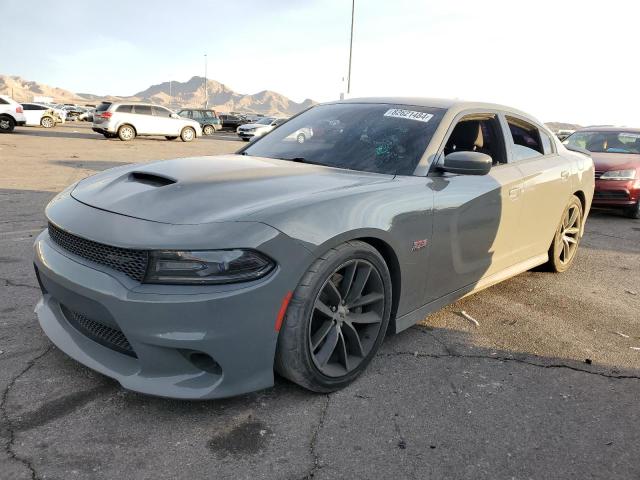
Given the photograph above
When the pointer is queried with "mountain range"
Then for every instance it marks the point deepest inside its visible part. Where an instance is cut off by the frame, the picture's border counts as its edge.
(171, 94)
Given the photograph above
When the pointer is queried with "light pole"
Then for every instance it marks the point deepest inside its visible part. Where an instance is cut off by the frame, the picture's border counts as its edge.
(353, 8)
(206, 89)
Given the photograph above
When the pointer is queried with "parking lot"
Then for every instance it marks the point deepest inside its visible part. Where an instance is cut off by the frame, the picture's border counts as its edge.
(546, 386)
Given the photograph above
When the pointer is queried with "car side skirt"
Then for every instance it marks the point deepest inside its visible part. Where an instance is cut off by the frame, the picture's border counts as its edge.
(411, 318)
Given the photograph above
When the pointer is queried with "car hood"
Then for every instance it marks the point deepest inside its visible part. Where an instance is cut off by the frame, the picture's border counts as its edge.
(615, 161)
(212, 189)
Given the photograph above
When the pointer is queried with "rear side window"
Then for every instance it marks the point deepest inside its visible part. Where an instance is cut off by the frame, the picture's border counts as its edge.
(27, 106)
(3, 102)
(142, 109)
(547, 144)
(124, 108)
(526, 139)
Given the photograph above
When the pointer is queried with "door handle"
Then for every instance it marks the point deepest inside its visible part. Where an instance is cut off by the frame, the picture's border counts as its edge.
(514, 192)
(564, 175)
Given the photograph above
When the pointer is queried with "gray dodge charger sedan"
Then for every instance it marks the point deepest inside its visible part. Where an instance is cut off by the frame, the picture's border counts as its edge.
(200, 277)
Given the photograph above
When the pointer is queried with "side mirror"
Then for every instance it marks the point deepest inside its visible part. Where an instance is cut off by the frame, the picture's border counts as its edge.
(467, 163)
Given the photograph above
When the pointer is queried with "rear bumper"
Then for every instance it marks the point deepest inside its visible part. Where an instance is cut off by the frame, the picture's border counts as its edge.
(616, 193)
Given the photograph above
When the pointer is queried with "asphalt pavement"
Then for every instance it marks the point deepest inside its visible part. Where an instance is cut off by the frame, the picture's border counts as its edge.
(547, 386)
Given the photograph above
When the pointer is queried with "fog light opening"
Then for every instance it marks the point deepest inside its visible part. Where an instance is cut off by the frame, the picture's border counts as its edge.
(204, 362)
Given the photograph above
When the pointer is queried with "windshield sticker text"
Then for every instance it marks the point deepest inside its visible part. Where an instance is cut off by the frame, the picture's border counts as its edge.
(408, 114)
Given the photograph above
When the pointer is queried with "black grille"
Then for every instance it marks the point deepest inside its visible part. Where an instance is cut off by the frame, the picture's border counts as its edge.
(108, 336)
(611, 194)
(130, 262)
(598, 173)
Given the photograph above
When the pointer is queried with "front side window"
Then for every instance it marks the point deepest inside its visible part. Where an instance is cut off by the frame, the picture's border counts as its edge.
(526, 139)
(380, 138)
(478, 133)
(185, 113)
(161, 112)
(606, 141)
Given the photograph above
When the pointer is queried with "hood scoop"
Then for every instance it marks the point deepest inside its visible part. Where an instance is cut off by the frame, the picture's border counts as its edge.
(151, 179)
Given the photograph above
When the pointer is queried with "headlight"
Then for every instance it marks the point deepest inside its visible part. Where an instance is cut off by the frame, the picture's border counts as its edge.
(619, 175)
(207, 266)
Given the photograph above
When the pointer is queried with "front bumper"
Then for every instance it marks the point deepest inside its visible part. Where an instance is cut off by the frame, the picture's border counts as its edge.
(188, 342)
(245, 135)
(616, 193)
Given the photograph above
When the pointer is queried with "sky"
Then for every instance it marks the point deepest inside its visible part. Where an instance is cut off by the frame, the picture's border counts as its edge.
(560, 60)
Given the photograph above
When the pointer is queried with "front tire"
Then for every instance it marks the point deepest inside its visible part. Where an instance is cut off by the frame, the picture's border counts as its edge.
(337, 318)
(567, 238)
(208, 130)
(633, 211)
(187, 134)
(7, 124)
(126, 133)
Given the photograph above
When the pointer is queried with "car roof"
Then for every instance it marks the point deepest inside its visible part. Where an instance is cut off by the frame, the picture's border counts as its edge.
(136, 103)
(609, 129)
(446, 103)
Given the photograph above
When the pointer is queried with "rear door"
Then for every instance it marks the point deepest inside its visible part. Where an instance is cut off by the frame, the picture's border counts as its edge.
(547, 182)
(476, 217)
(143, 120)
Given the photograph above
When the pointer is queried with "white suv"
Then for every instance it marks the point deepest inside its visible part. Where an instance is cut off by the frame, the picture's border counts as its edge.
(11, 114)
(127, 120)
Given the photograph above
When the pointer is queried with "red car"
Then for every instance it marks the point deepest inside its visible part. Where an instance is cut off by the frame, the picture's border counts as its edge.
(616, 157)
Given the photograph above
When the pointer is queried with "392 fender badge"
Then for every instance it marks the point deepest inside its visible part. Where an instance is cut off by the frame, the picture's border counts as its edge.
(418, 244)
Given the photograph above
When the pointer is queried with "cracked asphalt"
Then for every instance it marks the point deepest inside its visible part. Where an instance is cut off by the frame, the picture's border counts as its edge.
(547, 386)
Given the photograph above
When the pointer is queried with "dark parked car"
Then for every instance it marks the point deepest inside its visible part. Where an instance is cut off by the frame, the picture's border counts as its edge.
(199, 277)
(232, 122)
(616, 155)
(208, 119)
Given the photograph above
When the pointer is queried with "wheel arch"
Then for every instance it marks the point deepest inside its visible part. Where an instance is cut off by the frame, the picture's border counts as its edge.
(583, 201)
(391, 259)
(380, 240)
(128, 124)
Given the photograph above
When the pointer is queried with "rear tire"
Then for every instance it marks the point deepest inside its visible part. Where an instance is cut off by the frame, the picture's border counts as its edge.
(187, 134)
(47, 122)
(126, 133)
(633, 211)
(566, 240)
(7, 124)
(337, 318)
(208, 130)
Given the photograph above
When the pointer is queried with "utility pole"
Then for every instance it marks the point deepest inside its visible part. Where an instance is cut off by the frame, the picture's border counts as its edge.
(353, 8)
(206, 89)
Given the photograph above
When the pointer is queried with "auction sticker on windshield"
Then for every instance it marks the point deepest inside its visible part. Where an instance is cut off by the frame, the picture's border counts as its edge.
(408, 114)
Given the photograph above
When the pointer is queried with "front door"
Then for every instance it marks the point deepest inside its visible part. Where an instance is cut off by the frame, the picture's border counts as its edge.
(475, 216)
